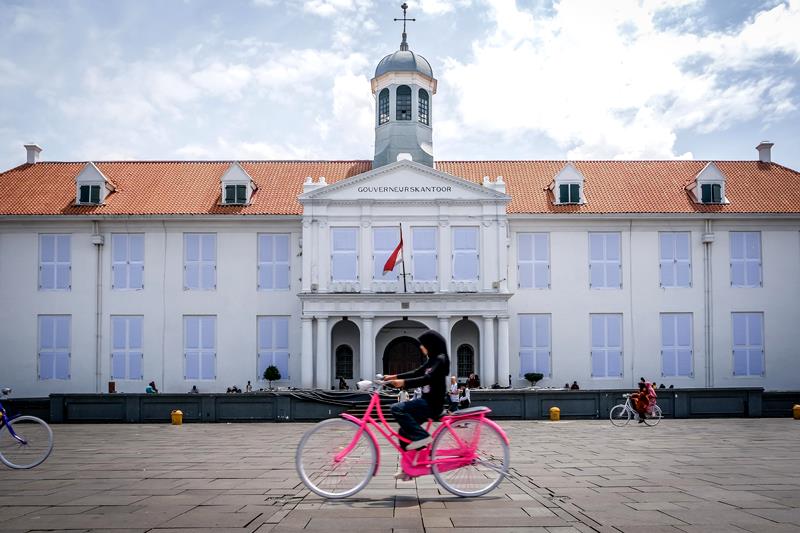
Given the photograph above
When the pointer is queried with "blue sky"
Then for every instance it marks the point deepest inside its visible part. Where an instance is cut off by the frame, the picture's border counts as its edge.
(289, 79)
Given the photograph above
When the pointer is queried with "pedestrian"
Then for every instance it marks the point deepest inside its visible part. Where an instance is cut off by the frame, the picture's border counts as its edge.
(343, 384)
(453, 394)
(248, 387)
(402, 396)
(463, 397)
(151, 388)
(575, 386)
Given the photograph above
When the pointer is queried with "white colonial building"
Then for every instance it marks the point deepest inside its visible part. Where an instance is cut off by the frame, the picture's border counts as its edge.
(205, 272)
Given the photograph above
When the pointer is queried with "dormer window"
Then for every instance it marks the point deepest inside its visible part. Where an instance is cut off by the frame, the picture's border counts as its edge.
(89, 194)
(569, 193)
(92, 186)
(237, 186)
(708, 186)
(567, 186)
(236, 194)
(711, 193)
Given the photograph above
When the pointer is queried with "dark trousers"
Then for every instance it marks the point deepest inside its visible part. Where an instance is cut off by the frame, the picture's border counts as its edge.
(409, 415)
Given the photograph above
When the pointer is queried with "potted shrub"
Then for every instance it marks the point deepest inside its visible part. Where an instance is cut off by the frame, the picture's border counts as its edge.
(534, 377)
(272, 374)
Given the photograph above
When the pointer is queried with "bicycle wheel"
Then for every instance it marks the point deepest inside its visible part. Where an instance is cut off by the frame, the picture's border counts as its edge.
(619, 415)
(32, 446)
(470, 458)
(316, 458)
(655, 418)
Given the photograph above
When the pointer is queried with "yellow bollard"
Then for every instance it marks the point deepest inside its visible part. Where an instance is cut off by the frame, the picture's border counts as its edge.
(796, 412)
(177, 417)
(555, 414)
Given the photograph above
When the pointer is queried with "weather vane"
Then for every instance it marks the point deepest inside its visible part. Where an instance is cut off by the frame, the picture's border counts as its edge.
(404, 7)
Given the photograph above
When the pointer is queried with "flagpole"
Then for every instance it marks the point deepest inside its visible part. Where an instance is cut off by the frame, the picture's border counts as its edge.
(403, 252)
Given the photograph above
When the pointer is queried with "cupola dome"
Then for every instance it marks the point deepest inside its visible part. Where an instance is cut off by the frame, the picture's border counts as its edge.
(404, 61)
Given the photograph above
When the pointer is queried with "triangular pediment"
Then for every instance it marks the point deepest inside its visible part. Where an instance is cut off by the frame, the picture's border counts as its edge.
(235, 173)
(90, 174)
(710, 172)
(569, 173)
(404, 181)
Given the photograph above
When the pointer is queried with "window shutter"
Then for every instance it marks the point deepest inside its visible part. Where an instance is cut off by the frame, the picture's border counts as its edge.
(716, 193)
(241, 194)
(230, 194)
(95, 189)
(563, 194)
(84, 196)
(705, 193)
(575, 193)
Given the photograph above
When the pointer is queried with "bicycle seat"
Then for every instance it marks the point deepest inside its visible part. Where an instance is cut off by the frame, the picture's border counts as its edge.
(6, 391)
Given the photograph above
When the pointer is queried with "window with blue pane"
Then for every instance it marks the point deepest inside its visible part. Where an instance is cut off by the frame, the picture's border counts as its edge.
(273, 345)
(534, 345)
(606, 351)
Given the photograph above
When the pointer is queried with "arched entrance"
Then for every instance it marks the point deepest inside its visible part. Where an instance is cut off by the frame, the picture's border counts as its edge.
(401, 355)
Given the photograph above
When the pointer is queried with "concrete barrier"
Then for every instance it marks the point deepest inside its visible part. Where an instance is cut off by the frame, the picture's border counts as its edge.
(309, 406)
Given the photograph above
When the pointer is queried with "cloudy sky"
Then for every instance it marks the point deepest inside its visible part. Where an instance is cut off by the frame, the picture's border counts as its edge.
(289, 79)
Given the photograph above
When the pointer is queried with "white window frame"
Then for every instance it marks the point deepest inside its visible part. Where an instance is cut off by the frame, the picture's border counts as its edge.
(49, 324)
(533, 281)
(200, 263)
(671, 263)
(57, 264)
(605, 263)
(606, 349)
(745, 261)
(538, 346)
(200, 351)
(672, 321)
(345, 252)
(421, 253)
(748, 346)
(467, 252)
(129, 351)
(126, 264)
(382, 251)
(268, 354)
(272, 240)
(100, 193)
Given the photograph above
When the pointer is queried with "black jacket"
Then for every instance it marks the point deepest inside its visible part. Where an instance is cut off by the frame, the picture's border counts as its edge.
(433, 375)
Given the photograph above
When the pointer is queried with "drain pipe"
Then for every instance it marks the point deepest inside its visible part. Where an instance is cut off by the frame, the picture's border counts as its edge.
(708, 239)
(98, 241)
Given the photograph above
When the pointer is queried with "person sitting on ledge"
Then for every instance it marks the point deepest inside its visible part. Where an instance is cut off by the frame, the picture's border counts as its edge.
(151, 388)
(575, 386)
(194, 390)
(566, 386)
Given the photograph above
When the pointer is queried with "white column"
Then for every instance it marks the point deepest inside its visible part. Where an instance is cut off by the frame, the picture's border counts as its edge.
(307, 353)
(323, 354)
(365, 259)
(444, 329)
(503, 357)
(487, 353)
(367, 348)
(308, 252)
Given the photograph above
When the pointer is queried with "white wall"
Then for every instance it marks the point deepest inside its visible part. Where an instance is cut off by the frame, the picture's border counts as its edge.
(641, 301)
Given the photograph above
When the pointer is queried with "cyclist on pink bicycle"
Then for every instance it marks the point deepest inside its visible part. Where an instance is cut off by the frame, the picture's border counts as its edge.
(432, 378)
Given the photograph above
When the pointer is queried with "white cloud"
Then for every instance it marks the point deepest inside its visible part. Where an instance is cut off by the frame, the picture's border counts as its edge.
(602, 81)
(328, 8)
(11, 74)
(227, 149)
(440, 7)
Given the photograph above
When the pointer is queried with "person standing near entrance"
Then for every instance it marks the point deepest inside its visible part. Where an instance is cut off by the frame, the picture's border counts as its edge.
(453, 394)
(432, 377)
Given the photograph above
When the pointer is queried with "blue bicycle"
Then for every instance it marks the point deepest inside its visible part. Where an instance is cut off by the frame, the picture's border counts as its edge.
(27, 441)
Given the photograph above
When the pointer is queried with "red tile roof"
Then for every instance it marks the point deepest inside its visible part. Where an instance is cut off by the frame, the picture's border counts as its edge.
(192, 187)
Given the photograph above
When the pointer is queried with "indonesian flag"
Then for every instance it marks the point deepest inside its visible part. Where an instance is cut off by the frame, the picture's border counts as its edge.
(395, 258)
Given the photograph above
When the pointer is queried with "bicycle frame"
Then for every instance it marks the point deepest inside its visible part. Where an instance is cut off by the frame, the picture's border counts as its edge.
(415, 462)
(4, 423)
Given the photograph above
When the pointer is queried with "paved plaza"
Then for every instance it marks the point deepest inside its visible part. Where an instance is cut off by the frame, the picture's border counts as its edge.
(682, 476)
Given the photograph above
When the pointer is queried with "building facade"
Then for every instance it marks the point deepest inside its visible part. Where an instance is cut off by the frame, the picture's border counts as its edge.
(205, 273)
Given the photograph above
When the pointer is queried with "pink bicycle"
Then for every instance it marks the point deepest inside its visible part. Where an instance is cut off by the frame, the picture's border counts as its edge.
(469, 455)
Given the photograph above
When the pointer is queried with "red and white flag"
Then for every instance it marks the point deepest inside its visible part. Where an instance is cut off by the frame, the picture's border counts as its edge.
(395, 258)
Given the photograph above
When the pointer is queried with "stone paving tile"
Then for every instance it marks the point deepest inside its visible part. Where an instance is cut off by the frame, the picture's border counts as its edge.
(577, 476)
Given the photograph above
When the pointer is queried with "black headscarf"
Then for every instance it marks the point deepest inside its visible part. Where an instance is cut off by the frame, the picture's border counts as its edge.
(434, 343)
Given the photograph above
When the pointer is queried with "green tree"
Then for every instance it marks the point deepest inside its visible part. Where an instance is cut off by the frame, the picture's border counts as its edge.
(272, 374)
(534, 377)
